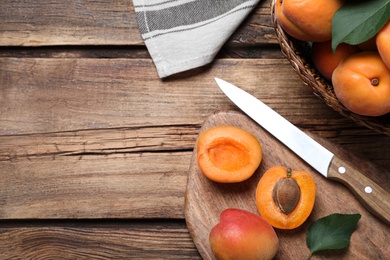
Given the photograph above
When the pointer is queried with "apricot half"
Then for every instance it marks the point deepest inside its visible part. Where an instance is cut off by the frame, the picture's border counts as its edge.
(362, 84)
(228, 154)
(285, 198)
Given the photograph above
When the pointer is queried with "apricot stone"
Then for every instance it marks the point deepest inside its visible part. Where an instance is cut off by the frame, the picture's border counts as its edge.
(241, 234)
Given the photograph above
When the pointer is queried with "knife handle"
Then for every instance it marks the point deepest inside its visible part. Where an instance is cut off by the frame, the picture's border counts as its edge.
(370, 194)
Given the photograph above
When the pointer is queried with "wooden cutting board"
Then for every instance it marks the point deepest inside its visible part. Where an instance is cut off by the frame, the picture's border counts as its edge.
(205, 200)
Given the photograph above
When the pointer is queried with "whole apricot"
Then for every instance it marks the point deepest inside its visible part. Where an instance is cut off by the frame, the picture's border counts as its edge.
(228, 154)
(307, 20)
(382, 43)
(241, 234)
(362, 84)
(326, 61)
(285, 198)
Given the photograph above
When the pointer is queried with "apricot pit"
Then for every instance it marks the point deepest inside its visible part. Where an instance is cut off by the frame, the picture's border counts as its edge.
(286, 194)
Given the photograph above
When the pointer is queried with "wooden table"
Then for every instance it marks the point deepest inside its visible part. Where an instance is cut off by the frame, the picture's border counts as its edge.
(95, 148)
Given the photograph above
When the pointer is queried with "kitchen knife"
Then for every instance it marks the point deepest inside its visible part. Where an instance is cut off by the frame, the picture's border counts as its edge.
(370, 194)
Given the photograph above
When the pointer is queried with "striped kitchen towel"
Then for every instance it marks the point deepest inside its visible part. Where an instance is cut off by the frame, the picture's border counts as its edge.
(185, 34)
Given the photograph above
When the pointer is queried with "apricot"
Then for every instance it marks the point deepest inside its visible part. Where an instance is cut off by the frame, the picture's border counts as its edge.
(228, 154)
(241, 234)
(362, 84)
(326, 61)
(307, 20)
(382, 43)
(285, 198)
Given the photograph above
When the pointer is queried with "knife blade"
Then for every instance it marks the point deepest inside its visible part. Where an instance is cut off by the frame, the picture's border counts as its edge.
(369, 193)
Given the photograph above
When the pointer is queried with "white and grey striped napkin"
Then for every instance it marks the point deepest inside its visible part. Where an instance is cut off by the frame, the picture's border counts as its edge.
(185, 34)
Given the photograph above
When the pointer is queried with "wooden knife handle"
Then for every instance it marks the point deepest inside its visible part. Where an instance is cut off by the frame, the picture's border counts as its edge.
(370, 194)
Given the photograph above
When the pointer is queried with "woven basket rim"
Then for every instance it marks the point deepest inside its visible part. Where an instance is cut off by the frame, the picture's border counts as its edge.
(297, 54)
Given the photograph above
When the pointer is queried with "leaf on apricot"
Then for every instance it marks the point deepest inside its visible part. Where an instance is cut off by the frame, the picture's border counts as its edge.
(358, 21)
(331, 232)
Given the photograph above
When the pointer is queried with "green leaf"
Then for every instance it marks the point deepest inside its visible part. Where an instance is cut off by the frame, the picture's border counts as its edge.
(331, 232)
(358, 21)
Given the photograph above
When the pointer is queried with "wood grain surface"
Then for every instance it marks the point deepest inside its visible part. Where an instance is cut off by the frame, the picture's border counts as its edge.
(95, 148)
(72, 128)
(86, 239)
(205, 200)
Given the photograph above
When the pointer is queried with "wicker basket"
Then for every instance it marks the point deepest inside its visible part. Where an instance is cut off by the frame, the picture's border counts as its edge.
(298, 54)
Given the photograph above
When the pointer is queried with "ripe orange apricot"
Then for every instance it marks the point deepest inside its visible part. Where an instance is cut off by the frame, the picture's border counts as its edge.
(362, 84)
(382, 43)
(326, 61)
(241, 234)
(307, 20)
(228, 154)
(285, 198)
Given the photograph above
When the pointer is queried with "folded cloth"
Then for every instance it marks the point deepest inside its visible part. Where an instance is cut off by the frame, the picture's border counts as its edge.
(185, 34)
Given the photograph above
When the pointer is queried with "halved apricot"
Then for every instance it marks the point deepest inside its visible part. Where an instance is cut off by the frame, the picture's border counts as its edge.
(228, 154)
(285, 198)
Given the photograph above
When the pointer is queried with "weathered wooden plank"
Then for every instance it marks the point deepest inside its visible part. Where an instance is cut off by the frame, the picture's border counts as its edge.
(160, 138)
(135, 172)
(127, 52)
(103, 22)
(140, 185)
(53, 95)
(47, 22)
(83, 240)
(116, 173)
(99, 142)
(87, 170)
